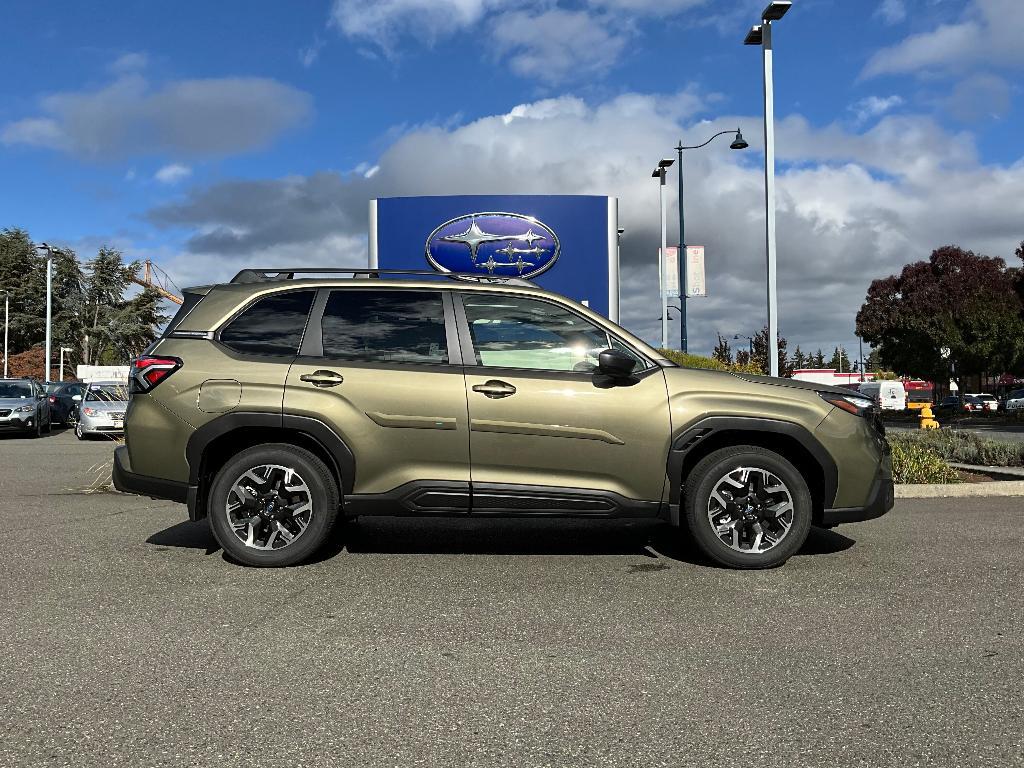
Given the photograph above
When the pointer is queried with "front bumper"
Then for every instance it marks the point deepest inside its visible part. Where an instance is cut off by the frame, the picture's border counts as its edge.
(127, 481)
(880, 500)
(18, 422)
(99, 423)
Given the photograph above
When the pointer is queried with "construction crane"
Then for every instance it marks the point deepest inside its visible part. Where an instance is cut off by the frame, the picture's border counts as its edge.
(155, 278)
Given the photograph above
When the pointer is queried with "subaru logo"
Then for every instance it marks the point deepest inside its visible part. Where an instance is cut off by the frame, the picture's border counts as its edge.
(501, 244)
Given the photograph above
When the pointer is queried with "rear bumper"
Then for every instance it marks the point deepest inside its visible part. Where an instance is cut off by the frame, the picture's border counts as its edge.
(127, 481)
(880, 501)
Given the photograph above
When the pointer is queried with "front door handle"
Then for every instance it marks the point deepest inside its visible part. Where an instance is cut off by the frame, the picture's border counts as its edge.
(495, 389)
(322, 378)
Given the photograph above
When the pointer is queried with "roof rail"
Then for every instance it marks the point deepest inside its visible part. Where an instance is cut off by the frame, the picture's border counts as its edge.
(268, 275)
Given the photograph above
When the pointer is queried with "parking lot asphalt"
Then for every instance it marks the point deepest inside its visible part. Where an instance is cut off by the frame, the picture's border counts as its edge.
(128, 639)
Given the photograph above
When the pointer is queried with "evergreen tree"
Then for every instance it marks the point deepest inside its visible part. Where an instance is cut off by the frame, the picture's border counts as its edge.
(799, 360)
(760, 356)
(840, 360)
(106, 280)
(818, 359)
(23, 278)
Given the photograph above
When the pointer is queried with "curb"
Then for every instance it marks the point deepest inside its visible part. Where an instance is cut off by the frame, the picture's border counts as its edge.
(960, 490)
(1003, 473)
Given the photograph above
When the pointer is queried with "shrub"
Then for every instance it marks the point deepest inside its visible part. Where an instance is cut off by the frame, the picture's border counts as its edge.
(699, 361)
(970, 448)
(915, 462)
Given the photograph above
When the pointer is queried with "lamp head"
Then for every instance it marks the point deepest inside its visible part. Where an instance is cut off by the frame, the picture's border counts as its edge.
(665, 162)
(776, 10)
(753, 36)
(739, 142)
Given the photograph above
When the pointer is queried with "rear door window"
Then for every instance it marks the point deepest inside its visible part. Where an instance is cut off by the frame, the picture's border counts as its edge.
(272, 326)
(378, 326)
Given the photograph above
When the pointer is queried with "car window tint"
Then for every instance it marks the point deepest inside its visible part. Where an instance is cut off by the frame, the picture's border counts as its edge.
(514, 332)
(385, 326)
(271, 326)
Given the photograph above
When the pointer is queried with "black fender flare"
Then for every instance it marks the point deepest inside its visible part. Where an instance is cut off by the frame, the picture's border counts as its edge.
(314, 429)
(699, 431)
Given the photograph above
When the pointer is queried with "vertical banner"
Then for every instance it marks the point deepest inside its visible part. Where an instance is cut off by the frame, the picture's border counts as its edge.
(695, 285)
(670, 271)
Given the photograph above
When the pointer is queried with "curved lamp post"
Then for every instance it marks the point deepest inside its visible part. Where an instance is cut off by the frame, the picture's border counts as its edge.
(737, 143)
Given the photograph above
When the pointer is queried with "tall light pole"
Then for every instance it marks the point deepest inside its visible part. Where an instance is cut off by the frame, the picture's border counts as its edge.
(49, 305)
(762, 35)
(7, 325)
(738, 143)
(660, 173)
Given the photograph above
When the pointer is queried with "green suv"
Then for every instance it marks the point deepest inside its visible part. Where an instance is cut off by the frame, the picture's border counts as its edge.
(276, 403)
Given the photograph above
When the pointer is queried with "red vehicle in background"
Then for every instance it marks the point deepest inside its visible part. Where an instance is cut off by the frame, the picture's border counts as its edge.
(919, 393)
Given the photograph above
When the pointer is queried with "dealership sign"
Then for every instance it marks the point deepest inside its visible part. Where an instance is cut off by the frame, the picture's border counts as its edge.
(564, 243)
(695, 284)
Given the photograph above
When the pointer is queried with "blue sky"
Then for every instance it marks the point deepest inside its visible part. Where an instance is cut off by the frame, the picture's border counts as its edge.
(206, 135)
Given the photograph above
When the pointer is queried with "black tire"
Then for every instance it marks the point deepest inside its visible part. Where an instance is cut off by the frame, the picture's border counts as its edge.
(703, 479)
(79, 434)
(49, 425)
(323, 493)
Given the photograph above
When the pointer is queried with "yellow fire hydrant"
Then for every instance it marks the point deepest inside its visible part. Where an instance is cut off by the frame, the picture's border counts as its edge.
(928, 418)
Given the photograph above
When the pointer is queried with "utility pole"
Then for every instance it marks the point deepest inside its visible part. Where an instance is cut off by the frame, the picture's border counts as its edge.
(660, 173)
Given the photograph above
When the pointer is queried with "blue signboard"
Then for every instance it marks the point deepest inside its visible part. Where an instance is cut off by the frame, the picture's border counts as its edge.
(565, 243)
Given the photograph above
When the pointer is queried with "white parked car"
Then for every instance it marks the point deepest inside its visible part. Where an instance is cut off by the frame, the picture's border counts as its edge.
(1015, 400)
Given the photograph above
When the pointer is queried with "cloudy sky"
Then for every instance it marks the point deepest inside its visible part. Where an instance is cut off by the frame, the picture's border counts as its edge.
(210, 136)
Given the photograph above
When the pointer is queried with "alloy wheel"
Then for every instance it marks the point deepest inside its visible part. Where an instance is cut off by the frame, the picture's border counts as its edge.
(269, 507)
(750, 510)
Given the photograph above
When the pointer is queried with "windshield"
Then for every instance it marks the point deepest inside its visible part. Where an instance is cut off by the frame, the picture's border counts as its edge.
(107, 393)
(15, 389)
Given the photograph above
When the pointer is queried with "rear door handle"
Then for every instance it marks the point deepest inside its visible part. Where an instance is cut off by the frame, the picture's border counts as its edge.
(495, 389)
(322, 378)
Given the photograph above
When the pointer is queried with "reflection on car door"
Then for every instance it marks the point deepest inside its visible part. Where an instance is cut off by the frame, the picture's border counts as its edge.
(546, 432)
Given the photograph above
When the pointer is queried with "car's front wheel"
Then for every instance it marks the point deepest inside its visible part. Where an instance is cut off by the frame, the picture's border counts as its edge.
(747, 507)
(273, 505)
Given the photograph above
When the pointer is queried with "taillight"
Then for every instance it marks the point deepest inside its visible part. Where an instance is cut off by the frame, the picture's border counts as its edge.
(149, 370)
(53, 399)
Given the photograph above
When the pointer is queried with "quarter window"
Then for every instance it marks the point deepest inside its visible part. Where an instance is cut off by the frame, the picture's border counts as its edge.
(271, 326)
(513, 332)
(385, 327)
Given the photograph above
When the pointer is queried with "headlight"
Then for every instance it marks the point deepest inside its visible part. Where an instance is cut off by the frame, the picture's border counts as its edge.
(25, 409)
(89, 411)
(858, 405)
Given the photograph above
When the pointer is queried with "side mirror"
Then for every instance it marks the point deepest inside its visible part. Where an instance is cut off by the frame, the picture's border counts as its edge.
(612, 362)
(77, 398)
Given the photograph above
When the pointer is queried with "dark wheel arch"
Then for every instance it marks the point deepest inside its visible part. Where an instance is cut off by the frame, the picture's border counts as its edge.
(788, 439)
(215, 442)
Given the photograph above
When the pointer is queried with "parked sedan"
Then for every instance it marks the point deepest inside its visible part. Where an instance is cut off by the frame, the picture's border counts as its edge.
(987, 402)
(102, 409)
(64, 397)
(1015, 400)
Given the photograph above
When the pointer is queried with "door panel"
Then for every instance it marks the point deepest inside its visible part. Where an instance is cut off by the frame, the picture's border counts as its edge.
(541, 417)
(565, 430)
(375, 366)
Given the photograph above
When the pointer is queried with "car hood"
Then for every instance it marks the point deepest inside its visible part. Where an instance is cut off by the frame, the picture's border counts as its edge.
(778, 381)
(106, 405)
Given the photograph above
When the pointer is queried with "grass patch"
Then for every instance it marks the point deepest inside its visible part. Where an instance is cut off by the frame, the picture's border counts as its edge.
(915, 462)
(970, 448)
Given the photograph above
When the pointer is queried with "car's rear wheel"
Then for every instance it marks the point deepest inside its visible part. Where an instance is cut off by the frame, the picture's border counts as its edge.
(747, 507)
(273, 505)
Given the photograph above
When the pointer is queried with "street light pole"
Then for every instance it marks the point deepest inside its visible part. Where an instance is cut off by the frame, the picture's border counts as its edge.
(7, 308)
(762, 35)
(49, 305)
(660, 173)
(62, 351)
(738, 143)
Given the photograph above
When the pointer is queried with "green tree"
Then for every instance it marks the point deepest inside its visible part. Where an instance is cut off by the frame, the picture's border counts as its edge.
(722, 352)
(23, 278)
(956, 299)
(799, 359)
(760, 356)
(107, 278)
(840, 360)
(817, 360)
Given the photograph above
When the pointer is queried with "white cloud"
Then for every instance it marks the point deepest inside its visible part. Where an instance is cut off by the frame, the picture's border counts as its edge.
(852, 205)
(873, 106)
(382, 21)
(131, 116)
(129, 62)
(555, 45)
(989, 33)
(173, 173)
(892, 11)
